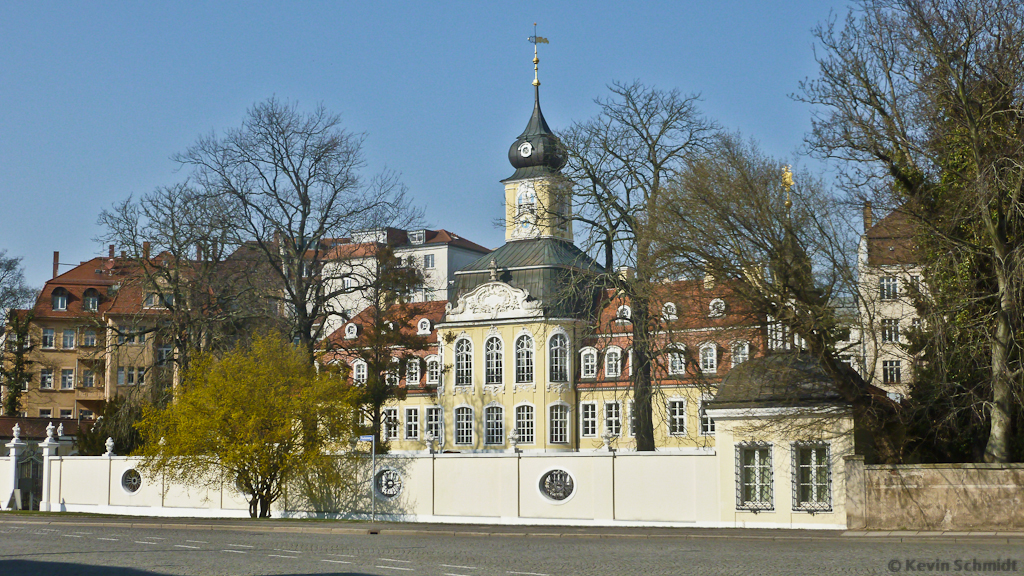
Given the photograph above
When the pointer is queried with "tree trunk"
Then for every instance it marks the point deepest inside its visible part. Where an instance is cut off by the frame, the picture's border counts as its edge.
(643, 389)
(998, 448)
(264, 507)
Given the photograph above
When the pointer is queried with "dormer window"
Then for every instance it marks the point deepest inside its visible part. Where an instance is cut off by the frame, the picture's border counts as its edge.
(91, 300)
(423, 327)
(417, 236)
(60, 299)
(351, 331)
(158, 300)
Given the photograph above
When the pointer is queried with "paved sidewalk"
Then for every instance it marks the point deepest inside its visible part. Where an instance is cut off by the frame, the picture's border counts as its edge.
(488, 530)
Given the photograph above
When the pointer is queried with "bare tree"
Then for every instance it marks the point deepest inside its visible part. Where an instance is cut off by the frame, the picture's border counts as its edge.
(619, 164)
(923, 100)
(183, 250)
(292, 181)
(14, 362)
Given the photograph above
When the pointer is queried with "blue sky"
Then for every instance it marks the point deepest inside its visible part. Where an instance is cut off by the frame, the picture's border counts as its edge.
(96, 96)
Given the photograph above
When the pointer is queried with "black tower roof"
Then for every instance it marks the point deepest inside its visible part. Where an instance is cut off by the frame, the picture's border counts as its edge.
(546, 155)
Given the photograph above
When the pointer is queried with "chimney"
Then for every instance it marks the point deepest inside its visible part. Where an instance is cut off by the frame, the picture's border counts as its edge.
(145, 250)
(123, 254)
(626, 272)
(56, 259)
(111, 253)
(867, 215)
(199, 253)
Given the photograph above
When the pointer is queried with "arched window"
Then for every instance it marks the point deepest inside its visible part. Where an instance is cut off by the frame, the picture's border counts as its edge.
(494, 425)
(524, 424)
(676, 362)
(709, 358)
(91, 300)
(412, 371)
(464, 363)
(463, 425)
(613, 362)
(668, 312)
(588, 363)
(524, 359)
(359, 372)
(558, 358)
(494, 353)
(59, 299)
(623, 314)
(351, 330)
(433, 371)
(740, 352)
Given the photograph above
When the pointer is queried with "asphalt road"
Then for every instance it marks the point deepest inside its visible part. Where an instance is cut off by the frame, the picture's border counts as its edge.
(75, 547)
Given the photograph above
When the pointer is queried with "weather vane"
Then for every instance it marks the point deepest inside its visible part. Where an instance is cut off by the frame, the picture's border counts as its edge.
(536, 40)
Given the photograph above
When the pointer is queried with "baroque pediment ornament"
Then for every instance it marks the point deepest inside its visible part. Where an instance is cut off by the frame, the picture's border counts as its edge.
(494, 300)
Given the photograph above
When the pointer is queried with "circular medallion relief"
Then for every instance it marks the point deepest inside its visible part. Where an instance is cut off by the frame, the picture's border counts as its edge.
(388, 483)
(557, 485)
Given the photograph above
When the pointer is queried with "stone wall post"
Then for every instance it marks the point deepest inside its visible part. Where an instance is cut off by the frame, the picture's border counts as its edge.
(17, 447)
(856, 493)
(49, 447)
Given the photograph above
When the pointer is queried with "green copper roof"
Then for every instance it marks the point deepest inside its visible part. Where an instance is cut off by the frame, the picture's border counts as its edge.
(535, 252)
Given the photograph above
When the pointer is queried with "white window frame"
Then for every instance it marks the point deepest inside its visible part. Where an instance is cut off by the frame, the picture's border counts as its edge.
(389, 423)
(706, 423)
(888, 288)
(360, 371)
(464, 426)
(617, 372)
(613, 417)
(676, 361)
(88, 379)
(428, 261)
(588, 419)
(623, 314)
(412, 372)
(463, 362)
(526, 359)
(631, 415)
(412, 423)
(433, 421)
(351, 331)
(525, 428)
(494, 360)
(675, 418)
(559, 355)
(558, 430)
(494, 429)
(760, 478)
(89, 338)
(423, 327)
(66, 413)
(67, 378)
(433, 370)
(46, 379)
(64, 339)
(49, 341)
(90, 300)
(59, 300)
(818, 464)
(46, 412)
(588, 362)
(709, 358)
(739, 352)
(669, 311)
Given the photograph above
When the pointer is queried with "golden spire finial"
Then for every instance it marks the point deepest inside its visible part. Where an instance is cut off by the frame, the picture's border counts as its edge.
(787, 183)
(536, 40)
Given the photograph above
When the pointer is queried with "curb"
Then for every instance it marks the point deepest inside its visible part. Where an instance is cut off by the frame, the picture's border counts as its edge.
(860, 535)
